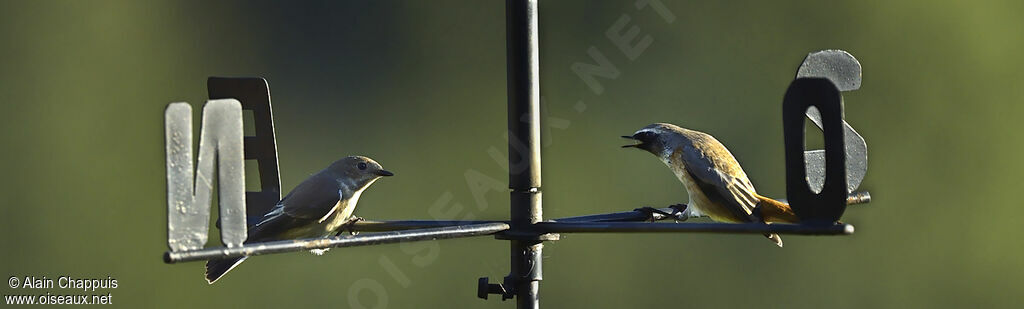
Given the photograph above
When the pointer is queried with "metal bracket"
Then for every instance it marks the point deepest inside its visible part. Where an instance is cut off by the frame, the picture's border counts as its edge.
(484, 288)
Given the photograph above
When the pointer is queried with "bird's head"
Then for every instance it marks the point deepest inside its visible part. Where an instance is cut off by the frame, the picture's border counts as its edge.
(656, 138)
(360, 170)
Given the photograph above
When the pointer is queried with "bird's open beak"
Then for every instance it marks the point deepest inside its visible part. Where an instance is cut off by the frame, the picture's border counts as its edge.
(385, 173)
(633, 145)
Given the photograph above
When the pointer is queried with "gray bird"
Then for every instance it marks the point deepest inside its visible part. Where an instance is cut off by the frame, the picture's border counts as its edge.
(714, 180)
(320, 206)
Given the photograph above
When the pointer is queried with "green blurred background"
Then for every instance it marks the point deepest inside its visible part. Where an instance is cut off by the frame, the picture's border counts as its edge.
(420, 86)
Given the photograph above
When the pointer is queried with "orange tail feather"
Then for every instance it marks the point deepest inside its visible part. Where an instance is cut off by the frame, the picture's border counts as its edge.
(775, 211)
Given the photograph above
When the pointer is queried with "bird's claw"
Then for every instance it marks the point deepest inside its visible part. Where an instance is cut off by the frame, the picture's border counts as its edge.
(352, 224)
(348, 226)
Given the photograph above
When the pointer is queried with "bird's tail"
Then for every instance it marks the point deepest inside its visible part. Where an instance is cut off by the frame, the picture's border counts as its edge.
(216, 268)
(771, 210)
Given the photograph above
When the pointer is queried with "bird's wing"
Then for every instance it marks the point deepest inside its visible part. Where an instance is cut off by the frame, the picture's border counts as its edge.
(274, 226)
(314, 198)
(722, 181)
(310, 201)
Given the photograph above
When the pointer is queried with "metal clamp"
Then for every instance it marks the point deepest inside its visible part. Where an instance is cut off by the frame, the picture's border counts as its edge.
(484, 288)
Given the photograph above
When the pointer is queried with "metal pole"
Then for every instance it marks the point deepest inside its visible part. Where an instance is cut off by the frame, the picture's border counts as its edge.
(523, 87)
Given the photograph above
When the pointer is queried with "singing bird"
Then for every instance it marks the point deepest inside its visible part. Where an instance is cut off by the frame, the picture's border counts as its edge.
(715, 182)
(320, 206)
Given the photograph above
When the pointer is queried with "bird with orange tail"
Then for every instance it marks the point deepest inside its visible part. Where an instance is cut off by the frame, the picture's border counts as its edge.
(715, 182)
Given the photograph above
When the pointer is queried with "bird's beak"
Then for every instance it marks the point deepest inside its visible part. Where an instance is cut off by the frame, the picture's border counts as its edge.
(385, 173)
(633, 145)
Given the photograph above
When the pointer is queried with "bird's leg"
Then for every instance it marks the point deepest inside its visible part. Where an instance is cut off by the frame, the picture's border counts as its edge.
(348, 226)
(344, 227)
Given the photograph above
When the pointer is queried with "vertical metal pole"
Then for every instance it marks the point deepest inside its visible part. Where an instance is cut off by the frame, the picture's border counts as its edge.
(523, 147)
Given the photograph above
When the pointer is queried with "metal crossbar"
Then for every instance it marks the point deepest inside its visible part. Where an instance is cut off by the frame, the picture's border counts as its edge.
(820, 183)
(337, 242)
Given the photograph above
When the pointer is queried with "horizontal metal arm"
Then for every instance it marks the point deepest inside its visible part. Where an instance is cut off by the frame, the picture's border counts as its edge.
(625, 216)
(335, 242)
(397, 225)
(644, 227)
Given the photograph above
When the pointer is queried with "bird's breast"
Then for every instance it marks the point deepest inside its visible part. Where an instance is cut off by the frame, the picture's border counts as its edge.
(339, 218)
(699, 200)
(341, 215)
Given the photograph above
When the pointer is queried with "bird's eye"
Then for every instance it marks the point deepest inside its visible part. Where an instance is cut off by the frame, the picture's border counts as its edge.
(362, 165)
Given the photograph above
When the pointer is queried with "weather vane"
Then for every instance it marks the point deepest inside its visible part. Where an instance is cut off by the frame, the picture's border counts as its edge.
(819, 183)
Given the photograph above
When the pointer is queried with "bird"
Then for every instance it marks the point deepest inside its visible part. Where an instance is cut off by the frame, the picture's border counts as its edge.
(714, 180)
(320, 206)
